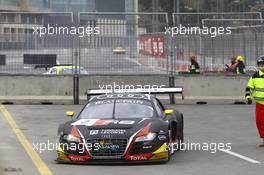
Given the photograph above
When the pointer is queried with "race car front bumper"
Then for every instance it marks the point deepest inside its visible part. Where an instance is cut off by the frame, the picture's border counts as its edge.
(159, 155)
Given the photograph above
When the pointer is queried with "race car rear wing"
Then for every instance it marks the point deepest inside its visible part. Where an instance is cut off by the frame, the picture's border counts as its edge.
(163, 90)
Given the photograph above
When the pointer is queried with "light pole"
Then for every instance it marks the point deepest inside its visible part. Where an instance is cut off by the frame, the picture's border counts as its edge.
(176, 9)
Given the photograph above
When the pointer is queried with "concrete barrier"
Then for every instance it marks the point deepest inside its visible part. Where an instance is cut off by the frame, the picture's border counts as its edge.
(213, 86)
(59, 89)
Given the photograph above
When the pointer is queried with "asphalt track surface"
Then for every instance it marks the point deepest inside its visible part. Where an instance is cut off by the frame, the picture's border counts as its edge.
(25, 125)
(95, 61)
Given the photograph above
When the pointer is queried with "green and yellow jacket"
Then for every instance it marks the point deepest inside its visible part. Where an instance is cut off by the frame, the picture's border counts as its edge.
(255, 87)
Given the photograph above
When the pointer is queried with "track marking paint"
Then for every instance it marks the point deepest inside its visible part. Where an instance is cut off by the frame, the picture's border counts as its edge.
(39, 163)
(240, 156)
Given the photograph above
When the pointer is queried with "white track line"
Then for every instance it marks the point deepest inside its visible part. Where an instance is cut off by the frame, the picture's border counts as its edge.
(133, 61)
(240, 156)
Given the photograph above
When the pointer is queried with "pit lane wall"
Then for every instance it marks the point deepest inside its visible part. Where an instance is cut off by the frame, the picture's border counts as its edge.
(59, 89)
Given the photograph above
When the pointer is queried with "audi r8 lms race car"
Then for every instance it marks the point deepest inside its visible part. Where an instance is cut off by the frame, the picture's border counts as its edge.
(66, 70)
(120, 128)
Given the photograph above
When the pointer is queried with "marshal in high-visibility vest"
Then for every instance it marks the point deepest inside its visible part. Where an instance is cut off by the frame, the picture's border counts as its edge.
(255, 89)
(194, 67)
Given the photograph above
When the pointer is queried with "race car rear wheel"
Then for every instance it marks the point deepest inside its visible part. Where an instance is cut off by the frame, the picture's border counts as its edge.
(180, 135)
(171, 143)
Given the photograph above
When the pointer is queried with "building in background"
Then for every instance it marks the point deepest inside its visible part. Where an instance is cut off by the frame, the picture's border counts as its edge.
(14, 27)
(74, 6)
(68, 5)
(113, 5)
(201, 5)
(92, 5)
(25, 5)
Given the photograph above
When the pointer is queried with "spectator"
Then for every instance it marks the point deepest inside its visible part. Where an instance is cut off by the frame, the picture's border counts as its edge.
(232, 67)
(194, 67)
(240, 68)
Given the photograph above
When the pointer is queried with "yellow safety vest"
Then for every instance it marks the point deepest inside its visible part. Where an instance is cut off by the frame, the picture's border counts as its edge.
(256, 86)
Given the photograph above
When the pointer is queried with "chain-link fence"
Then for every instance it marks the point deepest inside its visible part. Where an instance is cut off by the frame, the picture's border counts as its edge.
(29, 43)
(213, 52)
(123, 43)
(90, 43)
(196, 19)
(126, 43)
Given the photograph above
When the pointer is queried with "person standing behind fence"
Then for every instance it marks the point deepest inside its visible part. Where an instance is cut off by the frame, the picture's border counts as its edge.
(231, 68)
(240, 67)
(194, 67)
(255, 89)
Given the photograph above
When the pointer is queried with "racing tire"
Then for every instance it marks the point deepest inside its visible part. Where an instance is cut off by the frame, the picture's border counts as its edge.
(180, 137)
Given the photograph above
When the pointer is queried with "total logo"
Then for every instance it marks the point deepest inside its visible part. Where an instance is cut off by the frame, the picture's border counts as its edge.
(138, 158)
(79, 158)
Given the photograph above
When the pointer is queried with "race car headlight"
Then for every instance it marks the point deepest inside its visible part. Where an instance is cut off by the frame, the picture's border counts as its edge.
(148, 137)
(71, 138)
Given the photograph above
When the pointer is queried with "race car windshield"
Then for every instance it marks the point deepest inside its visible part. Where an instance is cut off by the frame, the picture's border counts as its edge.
(118, 109)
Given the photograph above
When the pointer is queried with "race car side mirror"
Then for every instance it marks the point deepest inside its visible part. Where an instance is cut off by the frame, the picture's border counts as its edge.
(70, 114)
(168, 112)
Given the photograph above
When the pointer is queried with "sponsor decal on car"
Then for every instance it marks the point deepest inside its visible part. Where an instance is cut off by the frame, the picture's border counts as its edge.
(120, 101)
(139, 157)
(162, 137)
(100, 122)
(113, 131)
(162, 132)
(108, 146)
(79, 158)
(109, 96)
(94, 132)
(147, 147)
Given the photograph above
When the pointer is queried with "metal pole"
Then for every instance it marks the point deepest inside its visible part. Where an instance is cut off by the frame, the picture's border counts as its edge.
(244, 47)
(233, 45)
(76, 74)
(176, 8)
(171, 76)
(223, 49)
(76, 81)
(256, 44)
(171, 84)
(203, 52)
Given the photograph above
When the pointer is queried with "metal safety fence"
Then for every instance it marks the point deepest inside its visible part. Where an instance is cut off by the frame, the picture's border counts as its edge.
(213, 50)
(88, 43)
(196, 19)
(125, 43)
(29, 43)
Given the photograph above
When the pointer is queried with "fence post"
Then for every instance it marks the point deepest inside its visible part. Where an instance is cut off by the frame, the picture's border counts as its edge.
(171, 84)
(223, 51)
(256, 44)
(172, 69)
(245, 48)
(76, 80)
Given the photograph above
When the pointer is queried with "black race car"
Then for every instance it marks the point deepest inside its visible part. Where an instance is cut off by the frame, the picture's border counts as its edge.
(120, 128)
